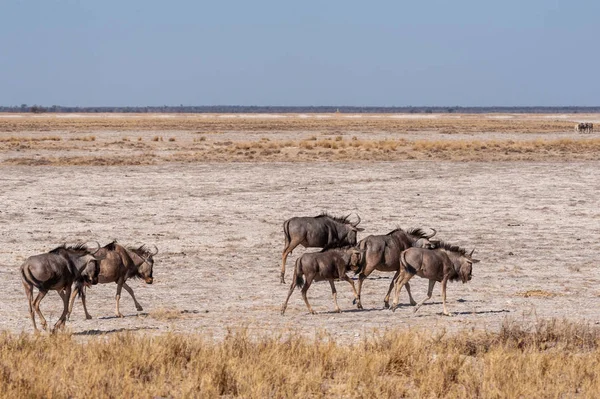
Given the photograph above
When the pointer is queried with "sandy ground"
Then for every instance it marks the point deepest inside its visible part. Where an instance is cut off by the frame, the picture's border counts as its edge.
(535, 227)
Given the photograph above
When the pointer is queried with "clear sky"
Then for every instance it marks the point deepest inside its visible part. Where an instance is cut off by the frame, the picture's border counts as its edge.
(358, 53)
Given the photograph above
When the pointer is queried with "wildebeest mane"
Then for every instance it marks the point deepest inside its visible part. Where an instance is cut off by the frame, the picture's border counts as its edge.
(77, 247)
(339, 219)
(451, 247)
(417, 232)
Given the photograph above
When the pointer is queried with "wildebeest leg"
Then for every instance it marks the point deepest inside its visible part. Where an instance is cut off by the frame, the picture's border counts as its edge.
(386, 300)
(87, 315)
(349, 280)
(304, 289)
(400, 282)
(444, 283)
(118, 297)
(138, 307)
(63, 317)
(36, 307)
(429, 293)
(334, 294)
(361, 277)
(72, 300)
(289, 247)
(29, 294)
(292, 287)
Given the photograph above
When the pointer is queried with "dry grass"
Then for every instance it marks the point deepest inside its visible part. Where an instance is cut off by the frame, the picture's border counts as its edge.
(330, 124)
(198, 149)
(537, 294)
(552, 359)
(13, 139)
(289, 139)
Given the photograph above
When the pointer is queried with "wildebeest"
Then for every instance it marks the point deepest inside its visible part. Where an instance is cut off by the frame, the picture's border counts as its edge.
(119, 264)
(445, 262)
(323, 231)
(57, 270)
(330, 264)
(382, 252)
(585, 127)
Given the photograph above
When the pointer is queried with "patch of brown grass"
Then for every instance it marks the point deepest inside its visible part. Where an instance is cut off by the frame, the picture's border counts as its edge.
(551, 359)
(209, 124)
(17, 139)
(86, 138)
(147, 159)
(538, 294)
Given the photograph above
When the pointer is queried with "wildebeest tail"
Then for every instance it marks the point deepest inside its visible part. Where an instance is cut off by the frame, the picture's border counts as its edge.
(298, 275)
(406, 265)
(286, 232)
(28, 278)
(80, 287)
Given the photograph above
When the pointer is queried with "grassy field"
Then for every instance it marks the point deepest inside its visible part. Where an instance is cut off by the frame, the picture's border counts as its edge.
(150, 139)
(326, 123)
(213, 198)
(552, 359)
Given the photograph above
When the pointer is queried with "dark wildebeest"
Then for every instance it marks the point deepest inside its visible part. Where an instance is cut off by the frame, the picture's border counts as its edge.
(585, 127)
(57, 270)
(323, 231)
(118, 265)
(382, 252)
(330, 264)
(445, 262)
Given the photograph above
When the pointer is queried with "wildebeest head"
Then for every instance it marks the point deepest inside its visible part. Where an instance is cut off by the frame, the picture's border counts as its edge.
(466, 266)
(351, 237)
(89, 268)
(356, 259)
(144, 269)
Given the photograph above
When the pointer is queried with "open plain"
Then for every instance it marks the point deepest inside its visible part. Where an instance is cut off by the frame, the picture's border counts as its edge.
(212, 191)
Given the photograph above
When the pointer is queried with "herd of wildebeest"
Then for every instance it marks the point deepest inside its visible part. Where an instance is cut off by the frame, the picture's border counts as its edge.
(71, 269)
(407, 253)
(585, 127)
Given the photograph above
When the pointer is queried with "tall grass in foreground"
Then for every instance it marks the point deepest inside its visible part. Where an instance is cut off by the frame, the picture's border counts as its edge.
(555, 359)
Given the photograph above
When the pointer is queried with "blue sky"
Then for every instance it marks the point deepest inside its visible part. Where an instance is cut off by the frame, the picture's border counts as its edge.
(379, 53)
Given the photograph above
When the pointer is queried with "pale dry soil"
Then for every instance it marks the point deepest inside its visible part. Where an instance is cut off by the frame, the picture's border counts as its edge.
(535, 227)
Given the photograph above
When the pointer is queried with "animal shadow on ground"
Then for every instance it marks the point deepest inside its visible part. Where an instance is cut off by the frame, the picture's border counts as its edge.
(114, 330)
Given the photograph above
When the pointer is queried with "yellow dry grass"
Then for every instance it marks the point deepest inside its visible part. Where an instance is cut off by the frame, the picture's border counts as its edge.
(333, 124)
(537, 294)
(228, 138)
(552, 359)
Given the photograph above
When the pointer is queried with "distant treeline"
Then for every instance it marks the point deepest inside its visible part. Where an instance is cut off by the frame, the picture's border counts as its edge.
(233, 109)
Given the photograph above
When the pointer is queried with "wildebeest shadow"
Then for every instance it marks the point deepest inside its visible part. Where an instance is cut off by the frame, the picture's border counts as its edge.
(465, 313)
(485, 312)
(124, 316)
(114, 330)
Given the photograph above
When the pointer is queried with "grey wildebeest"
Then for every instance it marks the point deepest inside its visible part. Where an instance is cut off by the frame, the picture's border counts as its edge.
(330, 264)
(323, 231)
(119, 264)
(585, 127)
(57, 270)
(445, 262)
(382, 252)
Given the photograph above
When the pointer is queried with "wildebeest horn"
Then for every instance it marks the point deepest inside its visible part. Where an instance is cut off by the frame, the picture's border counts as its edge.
(356, 224)
(471, 254)
(155, 250)
(434, 231)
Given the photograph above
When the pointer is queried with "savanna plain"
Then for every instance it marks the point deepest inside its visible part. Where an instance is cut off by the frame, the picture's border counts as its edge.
(212, 192)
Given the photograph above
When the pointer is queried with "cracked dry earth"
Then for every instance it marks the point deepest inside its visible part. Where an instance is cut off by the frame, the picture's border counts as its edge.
(535, 227)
